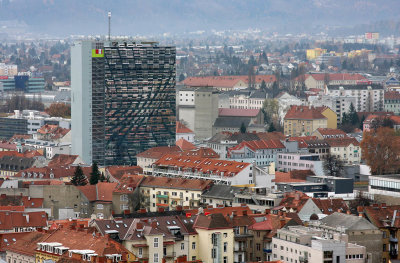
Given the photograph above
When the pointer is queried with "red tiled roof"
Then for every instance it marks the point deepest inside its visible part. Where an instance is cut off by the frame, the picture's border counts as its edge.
(118, 171)
(294, 200)
(330, 131)
(225, 81)
(51, 172)
(101, 191)
(331, 205)
(392, 95)
(381, 215)
(12, 208)
(202, 152)
(338, 76)
(73, 239)
(205, 165)
(227, 112)
(302, 140)
(180, 128)
(158, 152)
(226, 211)
(342, 142)
(212, 221)
(176, 183)
(305, 113)
(185, 145)
(55, 224)
(63, 159)
(52, 131)
(11, 219)
(128, 183)
(8, 145)
(11, 153)
(260, 144)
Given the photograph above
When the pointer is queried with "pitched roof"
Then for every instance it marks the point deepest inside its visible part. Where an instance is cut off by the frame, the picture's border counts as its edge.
(101, 191)
(205, 165)
(202, 152)
(211, 221)
(51, 172)
(294, 200)
(63, 159)
(305, 113)
(158, 152)
(185, 145)
(331, 205)
(349, 222)
(225, 81)
(259, 145)
(117, 171)
(73, 239)
(227, 112)
(52, 131)
(382, 216)
(281, 177)
(342, 142)
(176, 183)
(128, 183)
(330, 131)
(180, 128)
(12, 219)
(338, 76)
(221, 191)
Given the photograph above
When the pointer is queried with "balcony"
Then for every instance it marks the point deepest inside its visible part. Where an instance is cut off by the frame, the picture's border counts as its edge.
(239, 249)
(267, 250)
(393, 253)
(162, 196)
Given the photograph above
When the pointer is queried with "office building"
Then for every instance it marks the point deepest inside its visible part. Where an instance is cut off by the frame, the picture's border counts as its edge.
(123, 99)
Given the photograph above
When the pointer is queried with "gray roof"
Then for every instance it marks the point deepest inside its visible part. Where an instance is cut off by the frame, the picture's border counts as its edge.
(221, 191)
(349, 222)
(232, 122)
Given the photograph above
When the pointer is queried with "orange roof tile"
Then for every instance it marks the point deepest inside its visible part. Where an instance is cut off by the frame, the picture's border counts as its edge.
(202, 152)
(101, 191)
(185, 145)
(176, 183)
(228, 112)
(118, 171)
(305, 113)
(330, 131)
(63, 159)
(180, 128)
(158, 152)
(342, 142)
(225, 81)
(331, 205)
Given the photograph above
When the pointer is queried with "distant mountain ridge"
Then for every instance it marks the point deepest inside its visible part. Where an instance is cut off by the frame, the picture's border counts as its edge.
(157, 16)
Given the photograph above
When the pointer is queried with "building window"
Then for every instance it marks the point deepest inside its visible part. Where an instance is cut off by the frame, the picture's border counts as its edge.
(155, 242)
(182, 246)
(193, 245)
(225, 259)
(214, 253)
(225, 246)
(100, 206)
(156, 257)
(140, 252)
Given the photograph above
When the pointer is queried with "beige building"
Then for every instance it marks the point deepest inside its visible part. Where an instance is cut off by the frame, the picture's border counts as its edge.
(318, 81)
(215, 239)
(302, 244)
(8, 70)
(304, 120)
(347, 149)
(172, 192)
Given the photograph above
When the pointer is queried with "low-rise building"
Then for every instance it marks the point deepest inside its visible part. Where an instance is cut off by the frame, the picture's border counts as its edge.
(346, 149)
(172, 192)
(392, 102)
(303, 244)
(183, 132)
(299, 161)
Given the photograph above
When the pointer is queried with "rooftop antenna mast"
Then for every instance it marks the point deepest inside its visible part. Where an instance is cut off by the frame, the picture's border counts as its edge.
(109, 26)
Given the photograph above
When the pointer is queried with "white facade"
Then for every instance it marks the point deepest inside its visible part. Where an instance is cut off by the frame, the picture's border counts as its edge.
(349, 154)
(299, 161)
(384, 185)
(58, 149)
(187, 136)
(243, 101)
(368, 98)
(303, 244)
(338, 104)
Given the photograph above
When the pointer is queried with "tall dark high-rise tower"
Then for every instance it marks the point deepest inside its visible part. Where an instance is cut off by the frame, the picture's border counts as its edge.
(123, 99)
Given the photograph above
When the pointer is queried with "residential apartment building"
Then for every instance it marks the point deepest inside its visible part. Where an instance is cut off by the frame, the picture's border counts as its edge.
(169, 193)
(369, 98)
(246, 99)
(326, 133)
(303, 120)
(123, 99)
(302, 244)
(320, 80)
(219, 171)
(22, 83)
(198, 108)
(392, 102)
(183, 132)
(262, 152)
(339, 104)
(347, 149)
(285, 102)
(8, 70)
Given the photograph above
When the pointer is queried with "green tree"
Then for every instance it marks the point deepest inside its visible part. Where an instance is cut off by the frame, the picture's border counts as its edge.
(181, 77)
(95, 174)
(263, 86)
(271, 127)
(79, 178)
(243, 128)
(353, 116)
(333, 166)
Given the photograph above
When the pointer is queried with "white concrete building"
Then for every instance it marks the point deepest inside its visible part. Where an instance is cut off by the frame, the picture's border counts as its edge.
(369, 98)
(339, 104)
(302, 244)
(299, 161)
(384, 185)
(347, 149)
(285, 100)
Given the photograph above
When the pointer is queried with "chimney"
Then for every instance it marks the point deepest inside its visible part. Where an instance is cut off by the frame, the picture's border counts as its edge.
(280, 213)
(244, 212)
(27, 218)
(383, 205)
(154, 224)
(234, 213)
(139, 226)
(243, 205)
(267, 211)
(297, 196)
